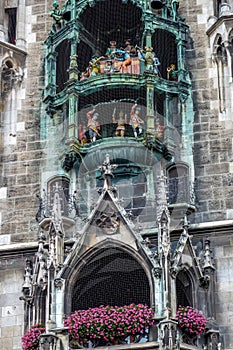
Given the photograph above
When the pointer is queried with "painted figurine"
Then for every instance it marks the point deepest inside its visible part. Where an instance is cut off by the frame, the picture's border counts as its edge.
(110, 50)
(57, 17)
(172, 73)
(159, 129)
(123, 57)
(85, 75)
(129, 48)
(82, 134)
(93, 125)
(95, 66)
(135, 120)
(121, 121)
(150, 59)
(109, 67)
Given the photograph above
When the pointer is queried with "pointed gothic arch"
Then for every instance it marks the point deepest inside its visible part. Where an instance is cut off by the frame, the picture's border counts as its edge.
(220, 55)
(108, 274)
(230, 40)
(62, 185)
(178, 183)
(185, 292)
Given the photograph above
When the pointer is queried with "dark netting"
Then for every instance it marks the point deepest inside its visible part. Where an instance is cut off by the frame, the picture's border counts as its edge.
(159, 102)
(110, 94)
(106, 21)
(11, 12)
(183, 289)
(62, 64)
(112, 277)
(108, 103)
(164, 44)
(178, 184)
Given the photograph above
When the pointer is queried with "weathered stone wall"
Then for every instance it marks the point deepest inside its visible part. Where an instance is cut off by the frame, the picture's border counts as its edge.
(212, 156)
(212, 129)
(25, 156)
(20, 175)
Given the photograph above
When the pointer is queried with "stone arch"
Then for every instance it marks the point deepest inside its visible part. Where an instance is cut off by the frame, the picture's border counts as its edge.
(185, 291)
(230, 40)
(220, 58)
(110, 273)
(178, 183)
(61, 184)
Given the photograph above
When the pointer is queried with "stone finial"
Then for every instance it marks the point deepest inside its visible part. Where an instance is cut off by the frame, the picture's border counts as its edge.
(162, 195)
(208, 261)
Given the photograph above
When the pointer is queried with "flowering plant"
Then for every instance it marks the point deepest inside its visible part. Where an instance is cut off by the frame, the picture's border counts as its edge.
(106, 324)
(30, 340)
(191, 320)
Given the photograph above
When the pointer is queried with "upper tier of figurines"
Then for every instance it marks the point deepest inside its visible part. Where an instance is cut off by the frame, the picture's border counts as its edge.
(126, 59)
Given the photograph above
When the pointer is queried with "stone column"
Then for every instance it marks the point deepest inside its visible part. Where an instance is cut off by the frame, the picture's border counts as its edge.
(2, 31)
(20, 35)
(180, 58)
(150, 106)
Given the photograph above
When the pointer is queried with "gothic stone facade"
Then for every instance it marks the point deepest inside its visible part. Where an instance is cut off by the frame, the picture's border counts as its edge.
(60, 206)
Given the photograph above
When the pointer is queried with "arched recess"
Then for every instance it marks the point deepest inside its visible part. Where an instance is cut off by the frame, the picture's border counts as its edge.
(109, 274)
(178, 183)
(184, 288)
(230, 39)
(59, 184)
(220, 55)
(164, 45)
(110, 20)
(62, 64)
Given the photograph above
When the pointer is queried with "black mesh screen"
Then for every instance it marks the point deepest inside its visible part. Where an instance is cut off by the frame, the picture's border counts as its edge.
(113, 277)
(111, 20)
(11, 12)
(164, 44)
(63, 61)
(183, 289)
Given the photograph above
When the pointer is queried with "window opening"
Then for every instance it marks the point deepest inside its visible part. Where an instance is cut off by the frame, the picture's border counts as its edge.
(164, 44)
(184, 289)
(62, 64)
(217, 7)
(113, 277)
(178, 184)
(60, 185)
(12, 21)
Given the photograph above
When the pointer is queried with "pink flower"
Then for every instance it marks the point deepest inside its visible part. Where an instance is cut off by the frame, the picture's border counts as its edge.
(191, 320)
(107, 323)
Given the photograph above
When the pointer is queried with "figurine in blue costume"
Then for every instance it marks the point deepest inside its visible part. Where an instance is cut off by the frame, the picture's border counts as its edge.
(124, 57)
